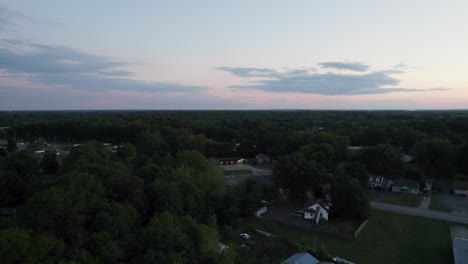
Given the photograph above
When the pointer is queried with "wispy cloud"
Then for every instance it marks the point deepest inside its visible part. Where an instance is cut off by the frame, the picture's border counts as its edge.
(352, 66)
(303, 81)
(9, 18)
(66, 67)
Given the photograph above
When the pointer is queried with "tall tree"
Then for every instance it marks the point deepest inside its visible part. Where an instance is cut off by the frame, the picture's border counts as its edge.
(11, 145)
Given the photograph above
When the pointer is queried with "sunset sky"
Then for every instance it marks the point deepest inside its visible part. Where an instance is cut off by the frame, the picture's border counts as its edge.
(111, 54)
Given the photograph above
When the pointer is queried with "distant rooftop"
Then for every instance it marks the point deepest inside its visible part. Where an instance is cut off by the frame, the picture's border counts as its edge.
(301, 258)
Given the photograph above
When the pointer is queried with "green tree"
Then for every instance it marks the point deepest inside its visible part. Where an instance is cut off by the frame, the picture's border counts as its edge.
(11, 145)
(382, 159)
(435, 154)
(165, 196)
(350, 199)
(49, 164)
(299, 175)
(18, 245)
(24, 163)
(149, 143)
(65, 210)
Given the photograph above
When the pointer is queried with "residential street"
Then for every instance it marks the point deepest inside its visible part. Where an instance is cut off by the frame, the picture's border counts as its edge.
(420, 212)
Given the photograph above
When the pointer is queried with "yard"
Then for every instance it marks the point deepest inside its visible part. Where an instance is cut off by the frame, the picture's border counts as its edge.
(402, 199)
(387, 238)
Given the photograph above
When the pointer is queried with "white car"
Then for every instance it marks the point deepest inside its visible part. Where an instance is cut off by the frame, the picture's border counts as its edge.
(245, 235)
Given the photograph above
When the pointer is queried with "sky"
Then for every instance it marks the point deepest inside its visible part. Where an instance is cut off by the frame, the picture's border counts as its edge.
(148, 54)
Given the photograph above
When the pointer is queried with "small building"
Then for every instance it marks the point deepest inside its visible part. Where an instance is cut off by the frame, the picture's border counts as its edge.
(262, 159)
(460, 188)
(379, 182)
(317, 211)
(408, 186)
(301, 258)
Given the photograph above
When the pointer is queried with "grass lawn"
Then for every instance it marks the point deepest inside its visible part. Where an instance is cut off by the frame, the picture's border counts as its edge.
(236, 172)
(387, 238)
(402, 199)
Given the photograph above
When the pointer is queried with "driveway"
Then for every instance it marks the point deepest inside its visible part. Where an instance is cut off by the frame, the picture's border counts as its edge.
(444, 198)
(377, 196)
(420, 212)
(456, 204)
(425, 202)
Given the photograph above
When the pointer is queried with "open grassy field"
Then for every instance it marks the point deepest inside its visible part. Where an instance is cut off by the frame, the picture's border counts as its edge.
(402, 199)
(387, 238)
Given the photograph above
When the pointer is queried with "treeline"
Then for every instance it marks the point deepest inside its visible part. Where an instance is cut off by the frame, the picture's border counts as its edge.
(132, 206)
(161, 197)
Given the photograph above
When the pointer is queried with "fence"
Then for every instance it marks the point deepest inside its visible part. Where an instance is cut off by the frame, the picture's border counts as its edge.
(359, 229)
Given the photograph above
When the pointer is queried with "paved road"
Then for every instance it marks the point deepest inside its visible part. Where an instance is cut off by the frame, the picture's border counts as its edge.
(419, 212)
(262, 176)
(254, 170)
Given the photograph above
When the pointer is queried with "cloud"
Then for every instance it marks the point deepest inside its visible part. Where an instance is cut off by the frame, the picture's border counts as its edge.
(352, 66)
(69, 68)
(9, 18)
(264, 72)
(300, 81)
(249, 72)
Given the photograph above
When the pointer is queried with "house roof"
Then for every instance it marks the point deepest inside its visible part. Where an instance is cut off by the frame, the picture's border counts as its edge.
(412, 184)
(325, 204)
(301, 258)
(460, 185)
(375, 180)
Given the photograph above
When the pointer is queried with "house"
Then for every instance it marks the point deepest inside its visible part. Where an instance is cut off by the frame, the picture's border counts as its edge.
(379, 182)
(459, 236)
(402, 185)
(262, 159)
(354, 148)
(460, 188)
(301, 258)
(317, 211)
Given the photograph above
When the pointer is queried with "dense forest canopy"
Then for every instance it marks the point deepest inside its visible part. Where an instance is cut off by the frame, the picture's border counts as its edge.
(161, 196)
